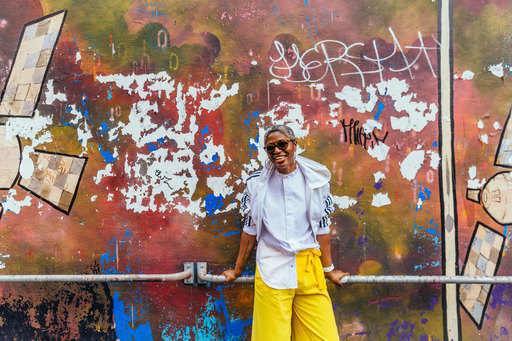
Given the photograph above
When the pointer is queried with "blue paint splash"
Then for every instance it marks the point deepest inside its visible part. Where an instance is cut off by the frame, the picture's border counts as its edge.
(205, 131)
(380, 107)
(124, 330)
(360, 192)
(208, 326)
(252, 114)
(107, 156)
(151, 146)
(378, 184)
(213, 203)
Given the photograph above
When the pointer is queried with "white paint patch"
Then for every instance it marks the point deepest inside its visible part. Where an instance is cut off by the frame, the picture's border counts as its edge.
(419, 114)
(480, 124)
(110, 197)
(435, 159)
(162, 173)
(468, 75)
(2, 263)
(496, 125)
(353, 97)
(318, 86)
(143, 85)
(370, 125)
(212, 152)
(94, 197)
(78, 56)
(218, 185)
(484, 138)
(379, 151)
(34, 129)
(496, 70)
(103, 173)
(379, 176)
(51, 96)
(11, 204)
(380, 199)
(81, 125)
(343, 202)
(473, 181)
(26, 164)
(334, 109)
(411, 164)
(334, 123)
(217, 97)
(419, 204)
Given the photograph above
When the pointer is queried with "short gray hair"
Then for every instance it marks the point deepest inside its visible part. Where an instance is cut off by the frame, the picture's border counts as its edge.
(281, 129)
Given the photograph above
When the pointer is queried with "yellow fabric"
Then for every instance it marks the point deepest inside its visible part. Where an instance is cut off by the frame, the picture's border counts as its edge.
(301, 314)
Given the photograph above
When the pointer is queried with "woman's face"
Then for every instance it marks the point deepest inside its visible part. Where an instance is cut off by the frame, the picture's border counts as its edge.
(283, 159)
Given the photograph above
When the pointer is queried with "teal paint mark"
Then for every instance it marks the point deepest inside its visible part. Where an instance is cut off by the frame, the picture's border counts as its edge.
(209, 326)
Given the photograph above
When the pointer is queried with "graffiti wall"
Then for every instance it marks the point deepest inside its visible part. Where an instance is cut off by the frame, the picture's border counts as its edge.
(128, 127)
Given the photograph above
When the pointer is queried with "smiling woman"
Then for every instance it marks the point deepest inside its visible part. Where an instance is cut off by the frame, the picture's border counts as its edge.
(281, 145)
(287, 206)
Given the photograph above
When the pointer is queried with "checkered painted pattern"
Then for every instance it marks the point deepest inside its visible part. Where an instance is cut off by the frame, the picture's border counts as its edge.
(55, 178)
(10, 152)
(482, 259)
(24, 83)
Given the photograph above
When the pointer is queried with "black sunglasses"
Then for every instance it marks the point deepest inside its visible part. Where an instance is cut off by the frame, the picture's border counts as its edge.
(281, 144)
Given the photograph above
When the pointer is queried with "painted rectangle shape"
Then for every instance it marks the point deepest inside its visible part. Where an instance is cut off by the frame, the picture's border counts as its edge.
(55, 179)
(483, 259)
(33, 55)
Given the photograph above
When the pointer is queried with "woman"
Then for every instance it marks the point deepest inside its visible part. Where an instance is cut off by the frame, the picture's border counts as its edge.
(286, 205)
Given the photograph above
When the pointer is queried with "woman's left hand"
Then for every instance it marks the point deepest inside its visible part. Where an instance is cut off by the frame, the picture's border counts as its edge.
(336, 275)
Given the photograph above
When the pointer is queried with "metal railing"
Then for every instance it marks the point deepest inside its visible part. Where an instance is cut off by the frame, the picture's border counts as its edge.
(198, 273)
(203, 277)
(187, 275)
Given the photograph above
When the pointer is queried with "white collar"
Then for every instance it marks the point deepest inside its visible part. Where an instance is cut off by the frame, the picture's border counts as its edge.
(316, 174)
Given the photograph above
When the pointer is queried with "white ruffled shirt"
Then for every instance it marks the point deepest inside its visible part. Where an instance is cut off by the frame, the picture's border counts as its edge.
(286, 228)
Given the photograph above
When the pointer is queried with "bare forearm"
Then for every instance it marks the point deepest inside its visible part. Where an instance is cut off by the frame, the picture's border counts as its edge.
(325, 247)
(247, 242)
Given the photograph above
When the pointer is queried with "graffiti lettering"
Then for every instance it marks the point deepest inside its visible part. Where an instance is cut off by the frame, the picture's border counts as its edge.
(163, 178)
(159, 35)
(174, 62)
(317, 63)
(356, 135)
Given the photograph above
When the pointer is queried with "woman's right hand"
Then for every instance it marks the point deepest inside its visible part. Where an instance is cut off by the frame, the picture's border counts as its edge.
(230, 275)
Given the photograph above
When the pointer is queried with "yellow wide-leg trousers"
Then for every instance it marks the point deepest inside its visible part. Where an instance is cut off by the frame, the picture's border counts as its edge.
(301, 314)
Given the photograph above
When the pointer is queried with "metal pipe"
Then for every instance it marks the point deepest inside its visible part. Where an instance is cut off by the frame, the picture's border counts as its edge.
(95, 278)
(428, 279)
(203, 277)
